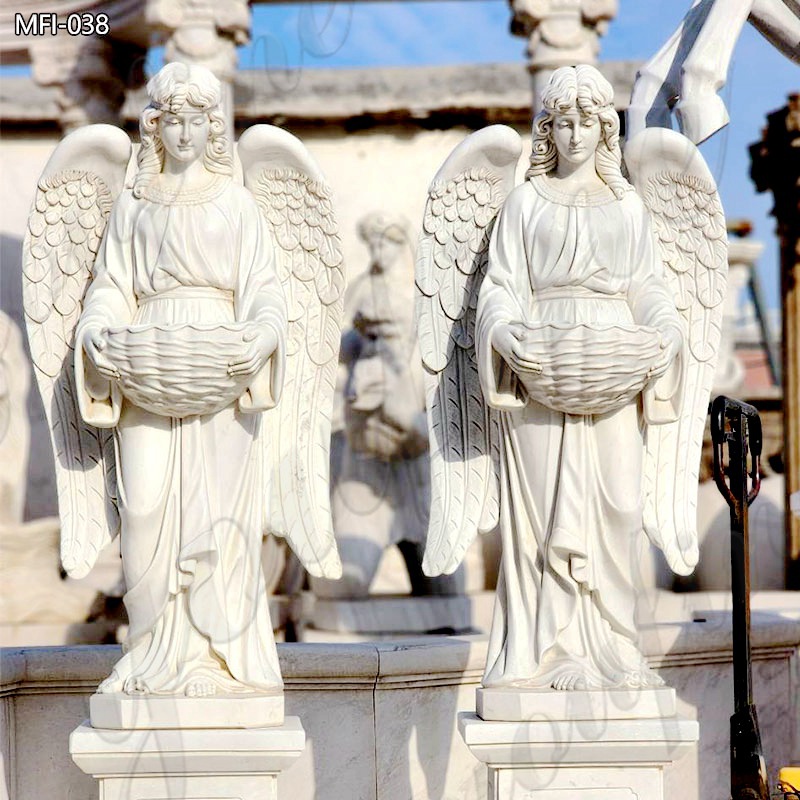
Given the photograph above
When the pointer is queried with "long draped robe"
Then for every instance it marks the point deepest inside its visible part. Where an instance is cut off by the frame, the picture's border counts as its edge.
(191, 490)
(571, 507)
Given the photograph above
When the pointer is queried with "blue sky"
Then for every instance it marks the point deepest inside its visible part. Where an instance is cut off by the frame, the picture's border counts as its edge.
(356, 34)
(451, 32)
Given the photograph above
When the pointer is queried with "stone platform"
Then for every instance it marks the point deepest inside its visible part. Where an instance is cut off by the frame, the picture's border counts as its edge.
(583, 745)
(116, 711)
(225, 764)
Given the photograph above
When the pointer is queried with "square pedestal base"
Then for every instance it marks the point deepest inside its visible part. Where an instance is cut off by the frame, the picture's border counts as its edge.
(579, 758)
(119, 711)
(224, 764)
(528, 705)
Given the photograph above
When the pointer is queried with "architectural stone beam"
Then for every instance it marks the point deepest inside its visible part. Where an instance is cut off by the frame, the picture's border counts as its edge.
(472, 95)
(91, 72)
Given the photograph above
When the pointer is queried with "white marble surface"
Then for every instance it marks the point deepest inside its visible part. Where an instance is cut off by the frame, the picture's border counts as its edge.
(380, 718)
(14, 427)
(389, 615)
(188, 764)
(517, 704)
(539, 759)
(137, 712)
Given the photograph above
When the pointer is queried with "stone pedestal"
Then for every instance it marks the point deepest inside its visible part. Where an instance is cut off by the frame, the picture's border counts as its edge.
(224, 764)
(118, 711)
(587, 745)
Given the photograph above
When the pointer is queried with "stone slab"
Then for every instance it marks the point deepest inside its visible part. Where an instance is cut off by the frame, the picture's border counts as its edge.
(597, 759)
(117, 711)
(613, 742)
(224, 764)
(516, 704)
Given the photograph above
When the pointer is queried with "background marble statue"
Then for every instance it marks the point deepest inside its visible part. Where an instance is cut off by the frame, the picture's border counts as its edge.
(569, 343)
(197, 417)
(381, 478)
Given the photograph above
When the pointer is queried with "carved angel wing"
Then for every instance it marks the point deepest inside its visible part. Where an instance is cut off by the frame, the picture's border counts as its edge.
(296, 202)
(463, 201)
(73, 200)
(686, 214)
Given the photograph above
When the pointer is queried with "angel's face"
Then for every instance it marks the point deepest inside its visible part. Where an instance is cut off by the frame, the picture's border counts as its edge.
(576, 136)
(184, 133)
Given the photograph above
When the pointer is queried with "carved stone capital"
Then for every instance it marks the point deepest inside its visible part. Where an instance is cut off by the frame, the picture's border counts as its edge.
(91, 73)
(201, 32)
(561, 32)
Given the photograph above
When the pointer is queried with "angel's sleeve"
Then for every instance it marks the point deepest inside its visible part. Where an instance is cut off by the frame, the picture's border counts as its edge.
(110, 300)
(652, 304)
(260, 299)
(504, 295)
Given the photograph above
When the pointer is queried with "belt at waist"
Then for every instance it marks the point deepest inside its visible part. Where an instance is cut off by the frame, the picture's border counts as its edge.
(189, 293)
(574, 293)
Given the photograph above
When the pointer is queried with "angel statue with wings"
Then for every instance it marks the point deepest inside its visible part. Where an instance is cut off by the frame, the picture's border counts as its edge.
(185, 334)
(569, 328)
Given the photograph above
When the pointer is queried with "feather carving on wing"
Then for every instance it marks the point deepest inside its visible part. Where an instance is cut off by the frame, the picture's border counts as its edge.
(65, 226)
(689, 224)
(463, 202)
(296, 202)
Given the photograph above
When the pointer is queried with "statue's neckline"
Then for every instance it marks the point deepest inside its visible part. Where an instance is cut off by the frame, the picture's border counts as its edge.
(596, 197)
(202, 194)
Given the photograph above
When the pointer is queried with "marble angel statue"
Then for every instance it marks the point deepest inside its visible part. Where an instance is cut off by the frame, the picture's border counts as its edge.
(185, 334)
(568, 328)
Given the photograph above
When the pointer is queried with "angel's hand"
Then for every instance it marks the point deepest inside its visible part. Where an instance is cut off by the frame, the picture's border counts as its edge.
(263, 341)
(94, 343)
(671, 344)
(509, 341)
(506, 339)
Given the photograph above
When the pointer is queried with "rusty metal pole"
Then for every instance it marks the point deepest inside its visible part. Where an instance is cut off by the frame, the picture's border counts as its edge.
(742, 434)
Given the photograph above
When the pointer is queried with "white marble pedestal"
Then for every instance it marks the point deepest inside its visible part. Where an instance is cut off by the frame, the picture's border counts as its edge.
(578, 745)
(223, 764)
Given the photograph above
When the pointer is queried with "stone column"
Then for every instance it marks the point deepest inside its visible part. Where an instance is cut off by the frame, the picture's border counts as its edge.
(560, 33)
(203, 32)
(775, 167)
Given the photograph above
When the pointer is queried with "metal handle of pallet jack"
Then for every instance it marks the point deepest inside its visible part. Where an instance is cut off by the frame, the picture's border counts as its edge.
(726, 408)
(743, 437)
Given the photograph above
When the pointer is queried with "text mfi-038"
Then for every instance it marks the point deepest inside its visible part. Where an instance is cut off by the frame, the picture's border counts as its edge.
(44, 23)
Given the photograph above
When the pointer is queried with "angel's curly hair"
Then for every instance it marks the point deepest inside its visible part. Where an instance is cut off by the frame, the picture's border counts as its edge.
(172, 88)
(585, 89)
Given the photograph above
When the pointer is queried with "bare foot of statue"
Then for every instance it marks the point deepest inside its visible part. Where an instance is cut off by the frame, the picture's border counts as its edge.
(568, 681)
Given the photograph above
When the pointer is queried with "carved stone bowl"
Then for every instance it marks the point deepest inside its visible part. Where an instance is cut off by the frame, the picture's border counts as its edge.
(588, 369)
(178, 370)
